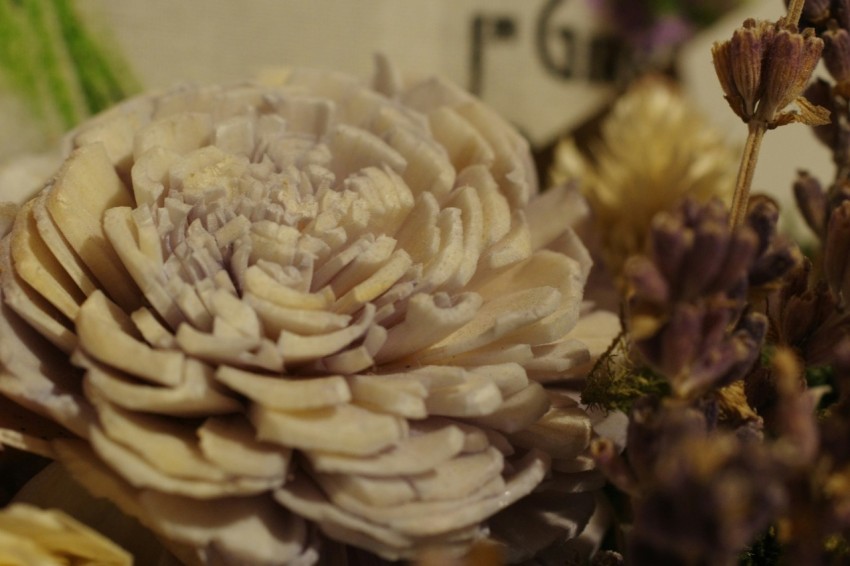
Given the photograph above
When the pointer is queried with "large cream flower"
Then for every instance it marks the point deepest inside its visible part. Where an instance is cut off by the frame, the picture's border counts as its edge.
(306, 301)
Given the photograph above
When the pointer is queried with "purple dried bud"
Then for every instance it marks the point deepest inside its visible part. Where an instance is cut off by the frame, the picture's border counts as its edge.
(775, 254)
(811, 200)
(762, 217)
(729, 360)
(703, 497)
(820, 93)
(788, 65)
(611, 463)
(738, 64)
(739, 256)
(670, 242)
(679, 341)
(835, 253)
(836, 53)
(815, 11)
(771, 267)
(705, 259)
(764, 67)
(796, 408)
(840, 11)
(716, 323)
(654, 429)
(646, 281)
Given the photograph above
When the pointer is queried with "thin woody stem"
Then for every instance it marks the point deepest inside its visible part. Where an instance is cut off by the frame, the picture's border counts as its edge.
(757, 129)
(795, 10)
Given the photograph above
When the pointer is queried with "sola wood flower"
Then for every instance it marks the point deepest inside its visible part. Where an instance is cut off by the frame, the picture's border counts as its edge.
(305, 302)
(29, 536)
(654, 150)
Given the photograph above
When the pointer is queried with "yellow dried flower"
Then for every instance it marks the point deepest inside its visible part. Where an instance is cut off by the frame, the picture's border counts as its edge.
(655, 149)
(30, 536)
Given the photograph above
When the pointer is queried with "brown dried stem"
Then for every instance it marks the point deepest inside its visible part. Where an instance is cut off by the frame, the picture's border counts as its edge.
(795, 10)
(744, 181)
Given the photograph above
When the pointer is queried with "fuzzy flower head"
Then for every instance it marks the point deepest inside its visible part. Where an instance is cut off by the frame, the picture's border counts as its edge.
(301, 305)
(654, 150)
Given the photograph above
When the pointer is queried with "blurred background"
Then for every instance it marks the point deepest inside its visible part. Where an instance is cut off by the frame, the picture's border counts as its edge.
(549, 66)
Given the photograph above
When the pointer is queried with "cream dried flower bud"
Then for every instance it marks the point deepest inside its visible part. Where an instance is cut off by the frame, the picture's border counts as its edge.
(305, 304)
(789, 63)
(29, 536)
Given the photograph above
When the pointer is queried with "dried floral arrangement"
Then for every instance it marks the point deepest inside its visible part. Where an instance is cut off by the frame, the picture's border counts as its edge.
(315, 319)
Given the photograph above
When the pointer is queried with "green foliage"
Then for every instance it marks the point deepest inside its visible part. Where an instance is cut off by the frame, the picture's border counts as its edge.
(56, 65)
(766, 551)
(615, 382)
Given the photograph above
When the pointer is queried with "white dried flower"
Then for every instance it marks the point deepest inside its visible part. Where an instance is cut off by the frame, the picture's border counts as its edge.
(305, 302)
(32, 536)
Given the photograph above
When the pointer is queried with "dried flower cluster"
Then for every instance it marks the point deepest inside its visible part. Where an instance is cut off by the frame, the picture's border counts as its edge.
(742, 456)
(687, 305)
(307, 304)
(764, 68)
(308, 319)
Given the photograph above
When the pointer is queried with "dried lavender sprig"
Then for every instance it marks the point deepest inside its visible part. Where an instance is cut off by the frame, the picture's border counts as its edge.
(763, 68)
(688, 316)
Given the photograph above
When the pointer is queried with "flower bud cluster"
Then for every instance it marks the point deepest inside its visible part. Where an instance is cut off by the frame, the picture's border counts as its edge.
(828, 214)
(687, 309)
(764, 67)
(732, 484)
(818, 13)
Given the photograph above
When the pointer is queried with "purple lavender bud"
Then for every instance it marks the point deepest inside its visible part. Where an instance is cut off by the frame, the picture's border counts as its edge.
(646, 281)
(815, 11)
(811, 200)
(671, 240)
(710, 369)
(836, 249)
(739, 256)
(762, 217)
(610, 462)
(840, 11)
(819, 93)
(771, 267)
(705, 259)
(654, 430)
(788, 64)
(715, 324)
(680, 339)
(836, 53)
(730, 360)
